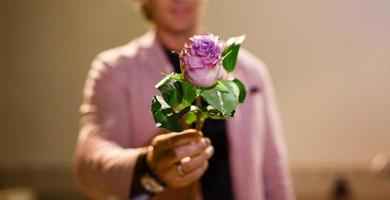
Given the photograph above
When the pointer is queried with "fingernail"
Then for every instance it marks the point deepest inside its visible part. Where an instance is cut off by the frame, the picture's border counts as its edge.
(210, 150)
(208, 141)
(186, 159)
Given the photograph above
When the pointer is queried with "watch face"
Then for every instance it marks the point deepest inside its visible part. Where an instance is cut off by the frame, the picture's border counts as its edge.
(150, 184)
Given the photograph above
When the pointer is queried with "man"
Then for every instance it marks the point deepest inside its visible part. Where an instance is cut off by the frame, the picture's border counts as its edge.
(121, 154)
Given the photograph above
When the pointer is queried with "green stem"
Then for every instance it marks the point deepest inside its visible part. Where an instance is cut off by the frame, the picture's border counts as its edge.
(199, 118)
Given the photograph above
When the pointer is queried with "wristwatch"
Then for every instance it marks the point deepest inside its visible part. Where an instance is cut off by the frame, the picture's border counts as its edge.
(150, 184)
(149, 181)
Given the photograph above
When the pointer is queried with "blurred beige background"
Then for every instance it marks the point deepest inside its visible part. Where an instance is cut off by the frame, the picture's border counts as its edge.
(330, 62)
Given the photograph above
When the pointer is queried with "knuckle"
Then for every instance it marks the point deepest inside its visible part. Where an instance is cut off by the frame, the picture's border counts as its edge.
(201, 145)
(194, 147)
(193, 164)
(156, 143)
(187, 149)
(201, 159)
(156, 140)
(174, 154)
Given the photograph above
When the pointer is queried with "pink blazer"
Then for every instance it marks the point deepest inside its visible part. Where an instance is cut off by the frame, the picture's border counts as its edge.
(116, 125)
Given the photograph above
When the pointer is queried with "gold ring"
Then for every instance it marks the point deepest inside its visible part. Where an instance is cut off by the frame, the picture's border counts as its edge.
(179, 170)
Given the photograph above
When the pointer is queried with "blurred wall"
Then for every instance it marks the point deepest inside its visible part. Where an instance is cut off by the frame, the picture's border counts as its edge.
(330, 61)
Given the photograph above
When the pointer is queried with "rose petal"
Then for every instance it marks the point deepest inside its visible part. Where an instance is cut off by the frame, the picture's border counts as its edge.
(204, 77)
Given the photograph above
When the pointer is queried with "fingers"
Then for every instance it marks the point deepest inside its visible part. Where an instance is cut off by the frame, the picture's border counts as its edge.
(186, 179)
(173, 179)
(188, 148)
(185, 137)
(190, 164)
(177, 154)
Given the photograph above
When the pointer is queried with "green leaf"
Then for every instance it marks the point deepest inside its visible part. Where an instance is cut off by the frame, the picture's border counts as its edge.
(216, 116)
(214, 113)
(224, 102)
(190, 118)
(238, 88)
(220, 86)
(242, 89)
(189, 93)
(233, 87)
(177, 93)
(230, 52)
(171, 90)
(198, 91)
(177, 96)
(164, 116)
(178, 77)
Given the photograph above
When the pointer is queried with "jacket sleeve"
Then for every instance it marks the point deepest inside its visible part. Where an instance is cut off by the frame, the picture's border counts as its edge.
(275, 170)
(103, 167)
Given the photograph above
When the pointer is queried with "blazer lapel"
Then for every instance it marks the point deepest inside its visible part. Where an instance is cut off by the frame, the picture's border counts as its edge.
(155, 54)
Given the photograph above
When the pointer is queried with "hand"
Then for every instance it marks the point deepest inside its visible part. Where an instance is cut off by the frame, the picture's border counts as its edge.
(179, 159)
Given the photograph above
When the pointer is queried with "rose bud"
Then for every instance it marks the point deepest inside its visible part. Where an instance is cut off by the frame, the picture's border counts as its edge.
(201, 60)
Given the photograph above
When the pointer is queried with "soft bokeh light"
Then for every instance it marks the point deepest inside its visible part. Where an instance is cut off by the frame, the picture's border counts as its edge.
(330, 63)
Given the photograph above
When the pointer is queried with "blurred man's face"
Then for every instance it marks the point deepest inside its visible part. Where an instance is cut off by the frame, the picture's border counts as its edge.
(175, 15)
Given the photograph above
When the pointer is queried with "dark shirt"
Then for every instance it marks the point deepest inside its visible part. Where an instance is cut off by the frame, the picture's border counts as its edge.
(216, 182)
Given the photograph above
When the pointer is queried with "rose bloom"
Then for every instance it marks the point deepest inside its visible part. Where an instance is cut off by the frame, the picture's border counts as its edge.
(201, 60)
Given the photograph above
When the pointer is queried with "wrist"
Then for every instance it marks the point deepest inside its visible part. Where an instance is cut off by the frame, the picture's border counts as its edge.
(139, 186)
(149, 180)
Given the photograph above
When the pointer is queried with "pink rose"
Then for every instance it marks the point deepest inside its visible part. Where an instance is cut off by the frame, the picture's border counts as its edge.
(201, 60)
